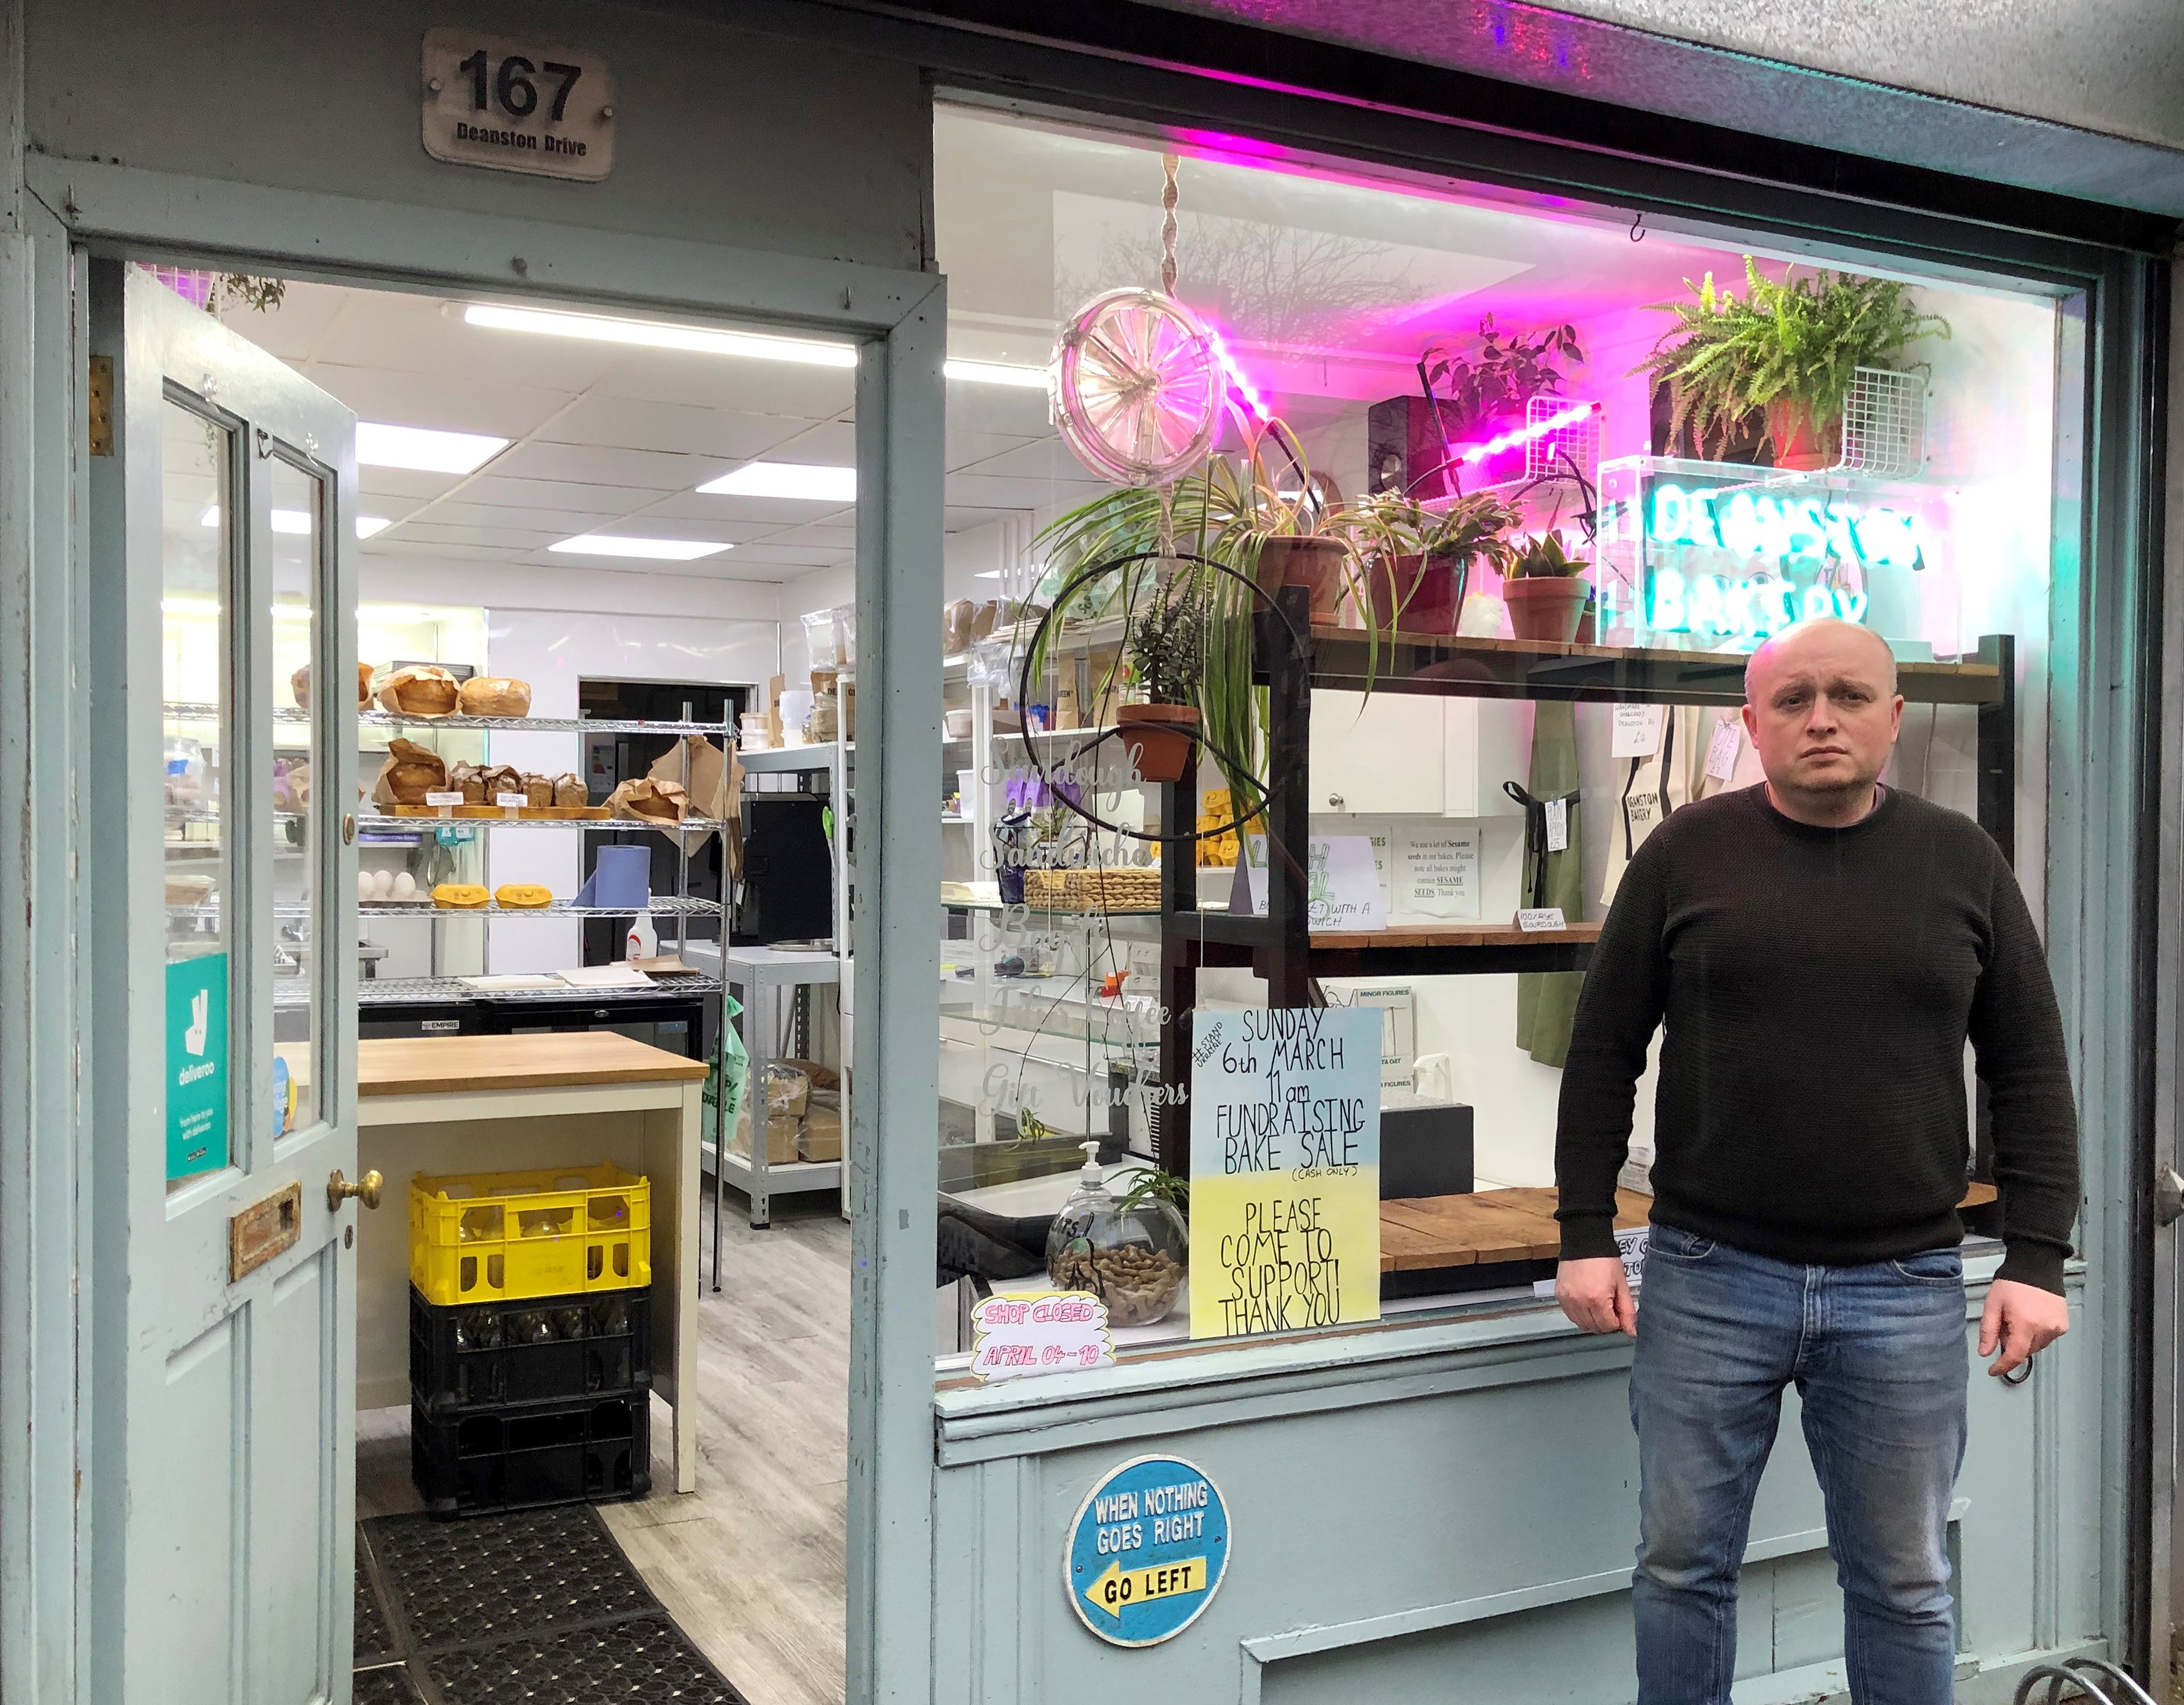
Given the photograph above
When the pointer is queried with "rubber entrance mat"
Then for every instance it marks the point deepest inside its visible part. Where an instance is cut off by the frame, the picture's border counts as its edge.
(533, 1607)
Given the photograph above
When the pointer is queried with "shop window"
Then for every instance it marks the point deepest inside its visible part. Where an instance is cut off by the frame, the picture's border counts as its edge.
(1469, 432)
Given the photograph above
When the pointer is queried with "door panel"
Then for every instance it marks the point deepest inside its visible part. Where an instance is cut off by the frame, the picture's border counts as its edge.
(225, 1419)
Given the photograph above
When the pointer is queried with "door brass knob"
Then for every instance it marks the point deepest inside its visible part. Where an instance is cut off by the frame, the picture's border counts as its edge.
(366, 1189)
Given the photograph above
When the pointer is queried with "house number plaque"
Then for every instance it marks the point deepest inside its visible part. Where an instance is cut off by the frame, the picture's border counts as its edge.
(517, 106)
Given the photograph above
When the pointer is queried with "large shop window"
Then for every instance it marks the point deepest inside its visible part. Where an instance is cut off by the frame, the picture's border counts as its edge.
(1347, 575)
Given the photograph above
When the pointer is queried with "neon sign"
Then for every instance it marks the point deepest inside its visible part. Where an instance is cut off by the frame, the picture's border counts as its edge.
(1786, 529)
(1746, 609)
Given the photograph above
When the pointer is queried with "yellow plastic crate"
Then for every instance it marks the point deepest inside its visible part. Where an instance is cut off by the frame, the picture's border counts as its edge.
(492, 1237)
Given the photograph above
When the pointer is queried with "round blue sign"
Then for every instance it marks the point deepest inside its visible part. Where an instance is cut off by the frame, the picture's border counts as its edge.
(1147, 1551)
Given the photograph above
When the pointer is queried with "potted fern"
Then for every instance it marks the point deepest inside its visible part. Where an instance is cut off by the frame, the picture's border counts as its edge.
(1787, 352)
(1167, 649)
(1544, 589)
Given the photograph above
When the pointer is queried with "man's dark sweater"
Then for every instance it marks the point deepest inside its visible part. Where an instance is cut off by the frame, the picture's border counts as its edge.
(1817, 988)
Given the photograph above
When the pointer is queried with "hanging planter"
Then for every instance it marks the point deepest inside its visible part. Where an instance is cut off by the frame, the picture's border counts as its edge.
(1161, 739)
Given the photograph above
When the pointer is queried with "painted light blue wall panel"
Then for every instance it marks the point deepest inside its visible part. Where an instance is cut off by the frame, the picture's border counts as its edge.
(1382, 1548)
(715, 134)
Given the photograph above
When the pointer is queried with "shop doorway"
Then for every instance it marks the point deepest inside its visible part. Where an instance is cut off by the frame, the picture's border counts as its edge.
(524, 517)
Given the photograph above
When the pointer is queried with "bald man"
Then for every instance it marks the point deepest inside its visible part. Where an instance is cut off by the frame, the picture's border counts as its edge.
(1816, 952)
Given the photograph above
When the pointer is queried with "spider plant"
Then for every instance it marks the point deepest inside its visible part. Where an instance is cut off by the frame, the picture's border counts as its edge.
(1389, 528)
(1227, 513)
(1781, 346)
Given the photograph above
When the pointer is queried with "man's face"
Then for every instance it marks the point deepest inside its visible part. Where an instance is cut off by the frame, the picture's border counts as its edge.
(1822, 709)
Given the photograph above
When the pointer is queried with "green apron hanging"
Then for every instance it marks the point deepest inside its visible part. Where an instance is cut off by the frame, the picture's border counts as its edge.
(1546, 1000)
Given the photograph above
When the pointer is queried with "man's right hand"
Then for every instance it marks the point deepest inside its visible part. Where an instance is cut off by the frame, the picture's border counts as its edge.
(1595, 1296)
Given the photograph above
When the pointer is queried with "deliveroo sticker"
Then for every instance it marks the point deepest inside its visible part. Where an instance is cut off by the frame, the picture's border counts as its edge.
(1147, 1551)
(197, 1066)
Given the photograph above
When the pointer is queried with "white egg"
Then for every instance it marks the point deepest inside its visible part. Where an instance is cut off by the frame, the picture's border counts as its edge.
(363, 887)
(382, 884)
(405, 885)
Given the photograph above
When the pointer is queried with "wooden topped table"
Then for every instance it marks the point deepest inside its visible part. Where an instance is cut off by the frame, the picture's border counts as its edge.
(1418, 1233)
(492, 1103)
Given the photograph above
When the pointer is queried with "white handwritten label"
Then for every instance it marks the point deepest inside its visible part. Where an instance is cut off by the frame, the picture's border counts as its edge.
(1723, 749)
(1535, 919)
(1438, 872)
(446, 799)
(1637, 732)
(511, 801)
(1558, 812)
(1047, 1332)
(1342, 881)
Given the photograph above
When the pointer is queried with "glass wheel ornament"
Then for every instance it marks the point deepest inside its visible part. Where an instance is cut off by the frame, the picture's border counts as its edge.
(1138, 387)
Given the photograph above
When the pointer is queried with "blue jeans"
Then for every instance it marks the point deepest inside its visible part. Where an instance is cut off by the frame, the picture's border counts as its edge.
(1878, 1356)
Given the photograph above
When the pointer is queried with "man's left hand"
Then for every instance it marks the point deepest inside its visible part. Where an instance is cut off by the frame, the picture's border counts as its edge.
(2021, 1320)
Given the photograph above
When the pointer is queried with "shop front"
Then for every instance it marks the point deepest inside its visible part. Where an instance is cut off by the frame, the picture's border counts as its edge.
(1246, 569)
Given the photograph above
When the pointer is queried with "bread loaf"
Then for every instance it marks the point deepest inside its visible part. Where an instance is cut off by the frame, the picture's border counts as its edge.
(538, 790)
(300, 685)
(424, 690)
(495, 695)
(663, 802)
(410, 772)
(569, 789)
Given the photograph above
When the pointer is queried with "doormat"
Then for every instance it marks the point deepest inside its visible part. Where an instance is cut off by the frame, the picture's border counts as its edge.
(538, 1607)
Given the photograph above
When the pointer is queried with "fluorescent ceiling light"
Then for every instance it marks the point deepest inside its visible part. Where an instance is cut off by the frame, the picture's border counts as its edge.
(987, 574)
(806, 479)
(422, 449)
(664, 549)
(299, 521)
(698, 339)
(995, 373)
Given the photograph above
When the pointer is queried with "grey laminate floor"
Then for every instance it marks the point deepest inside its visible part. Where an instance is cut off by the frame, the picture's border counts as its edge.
(752, 1564)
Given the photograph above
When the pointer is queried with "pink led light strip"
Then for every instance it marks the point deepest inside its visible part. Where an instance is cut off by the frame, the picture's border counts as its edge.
(1525, 435)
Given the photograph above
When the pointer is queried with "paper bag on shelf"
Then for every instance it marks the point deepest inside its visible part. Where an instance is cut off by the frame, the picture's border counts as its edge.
(716, 788)
(821, 1138)
(410, 772)
(663, 803)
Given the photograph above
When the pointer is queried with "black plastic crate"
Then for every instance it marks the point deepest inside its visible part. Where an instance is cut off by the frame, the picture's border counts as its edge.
(537, 1349)
(529, 1455)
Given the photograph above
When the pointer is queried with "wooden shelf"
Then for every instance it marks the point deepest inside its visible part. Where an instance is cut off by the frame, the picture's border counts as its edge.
(1466, 667)
(1229, 939)
(1422, 1233)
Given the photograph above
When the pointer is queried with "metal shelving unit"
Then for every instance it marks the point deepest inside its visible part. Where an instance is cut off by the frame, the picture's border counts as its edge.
(1282, 948)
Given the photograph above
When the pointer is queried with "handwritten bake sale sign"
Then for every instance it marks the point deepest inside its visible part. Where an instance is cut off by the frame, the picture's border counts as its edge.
(1284, 1169)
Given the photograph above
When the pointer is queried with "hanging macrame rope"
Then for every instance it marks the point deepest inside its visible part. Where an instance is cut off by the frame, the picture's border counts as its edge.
(1169, 164)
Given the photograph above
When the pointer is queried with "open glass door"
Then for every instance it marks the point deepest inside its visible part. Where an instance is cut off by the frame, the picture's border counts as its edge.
(222, 511)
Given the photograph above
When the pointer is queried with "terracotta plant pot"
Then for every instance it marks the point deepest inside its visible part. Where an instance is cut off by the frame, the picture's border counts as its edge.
(1801, 444)
(1417, 594)
(1547, 607)
(1315, 564)
(1161, 739)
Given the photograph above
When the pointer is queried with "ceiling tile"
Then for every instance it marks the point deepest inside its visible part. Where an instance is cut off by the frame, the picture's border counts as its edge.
(577, 464)
(557, 496)
(721, 381)
(641, 425)
(775, 511)
(441, 401)
(965, 448)
(821, 537)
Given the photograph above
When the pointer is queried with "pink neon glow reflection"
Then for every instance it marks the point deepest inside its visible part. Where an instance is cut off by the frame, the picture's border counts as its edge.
(1525, 435)
(1242, 386)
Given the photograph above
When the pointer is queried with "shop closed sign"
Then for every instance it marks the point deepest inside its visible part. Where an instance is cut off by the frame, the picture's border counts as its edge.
(517, 106)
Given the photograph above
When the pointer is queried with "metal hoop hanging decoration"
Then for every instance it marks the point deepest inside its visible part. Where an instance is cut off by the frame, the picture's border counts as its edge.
(1114, 565)
(1138, 387)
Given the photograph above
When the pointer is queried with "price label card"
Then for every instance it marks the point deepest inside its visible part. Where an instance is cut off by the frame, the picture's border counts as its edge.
(511, 801)
(446, 799)
(1557, 811)
(1048, 1332)
(1723, 749)
(1533, 919)
(1637, 733)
